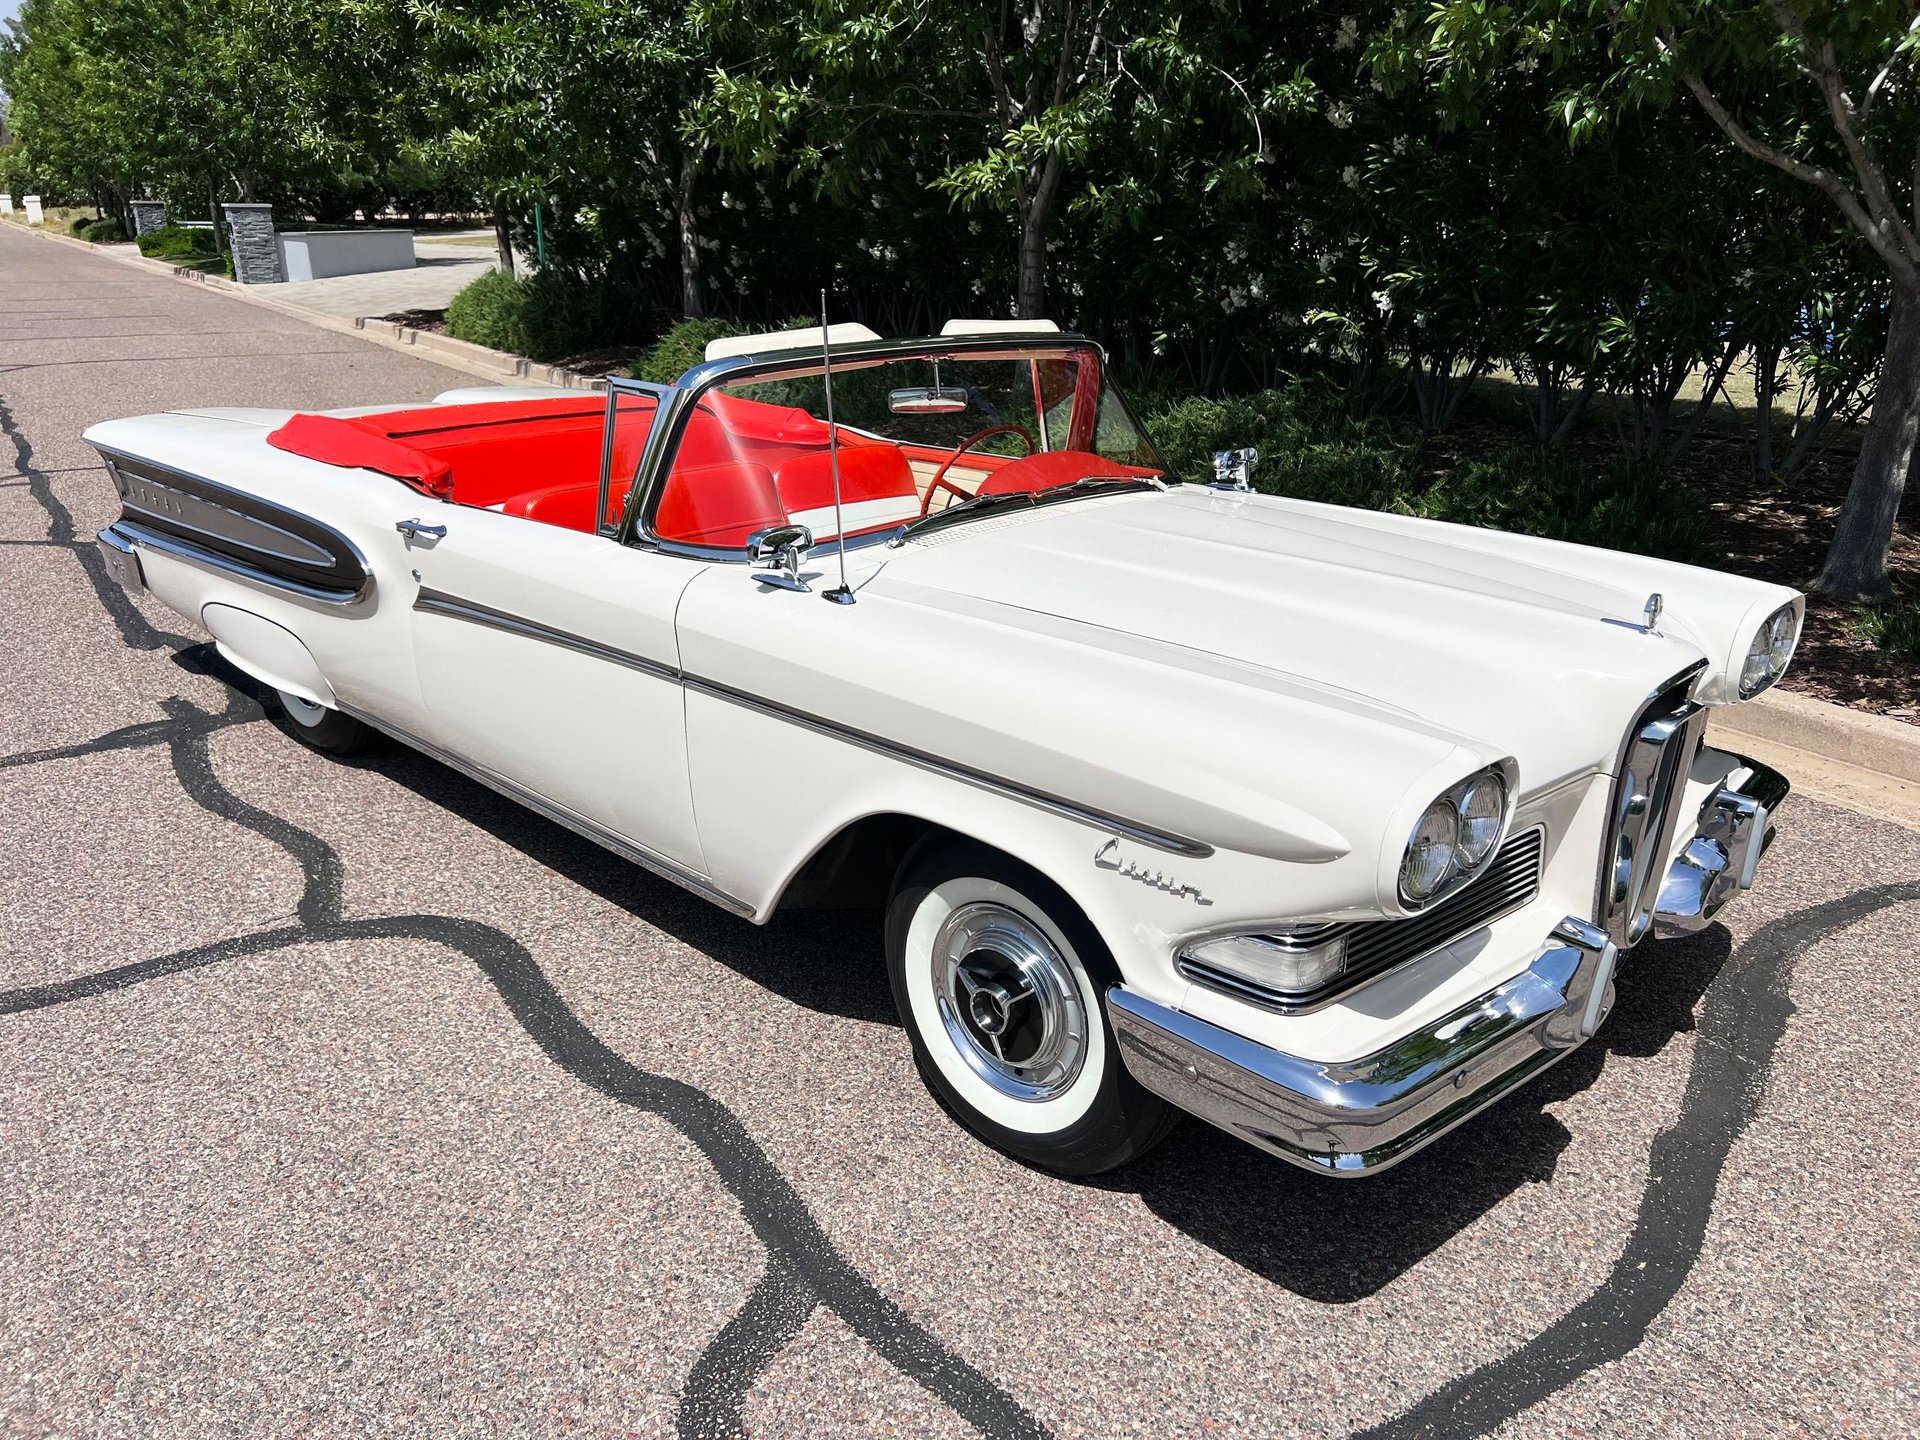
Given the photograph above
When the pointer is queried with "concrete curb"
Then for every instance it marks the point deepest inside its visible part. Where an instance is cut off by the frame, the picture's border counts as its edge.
(470, 359)
(1833, 732)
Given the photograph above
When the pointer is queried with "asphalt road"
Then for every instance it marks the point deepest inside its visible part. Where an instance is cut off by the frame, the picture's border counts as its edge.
(347, 1098)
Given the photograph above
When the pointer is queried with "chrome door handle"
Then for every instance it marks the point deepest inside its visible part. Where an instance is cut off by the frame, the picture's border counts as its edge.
(415, 529)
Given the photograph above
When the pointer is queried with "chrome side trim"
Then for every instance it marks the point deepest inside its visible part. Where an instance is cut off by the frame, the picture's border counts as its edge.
(434, 602)
(144, 537)
(1357, 1117)
(267, 541)
(1723, 858)
(1040, 799)
(626, 849)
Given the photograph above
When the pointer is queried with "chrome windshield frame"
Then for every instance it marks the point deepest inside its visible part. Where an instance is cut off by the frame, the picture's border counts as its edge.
(678, 401)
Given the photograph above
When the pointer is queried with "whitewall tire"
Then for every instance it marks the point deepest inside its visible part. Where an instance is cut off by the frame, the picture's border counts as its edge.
(323, 729)
(999, 981)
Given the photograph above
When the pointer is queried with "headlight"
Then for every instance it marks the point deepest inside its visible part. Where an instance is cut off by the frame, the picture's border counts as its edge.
(1289, 961)
(1770, 652)
(1431, 852)
(1455, 837)
(1483, 808)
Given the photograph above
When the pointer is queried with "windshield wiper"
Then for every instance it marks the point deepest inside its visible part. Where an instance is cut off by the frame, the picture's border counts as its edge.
(962, 510)
(983, 504)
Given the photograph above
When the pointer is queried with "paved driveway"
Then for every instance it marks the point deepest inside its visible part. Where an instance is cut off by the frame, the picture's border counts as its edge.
(342, 1099)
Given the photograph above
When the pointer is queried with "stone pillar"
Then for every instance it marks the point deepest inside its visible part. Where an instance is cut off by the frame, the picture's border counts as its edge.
(35, 215)
(148, 216)
(6, 203)
(256, 250)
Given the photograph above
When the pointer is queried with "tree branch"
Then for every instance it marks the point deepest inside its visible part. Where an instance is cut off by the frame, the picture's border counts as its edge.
(1817, 176)
(1824, 69)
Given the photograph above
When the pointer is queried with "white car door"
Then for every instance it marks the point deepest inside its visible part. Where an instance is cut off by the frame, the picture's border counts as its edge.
(547, 657)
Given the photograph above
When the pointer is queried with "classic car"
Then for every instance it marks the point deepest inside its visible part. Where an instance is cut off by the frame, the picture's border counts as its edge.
(1327, 826)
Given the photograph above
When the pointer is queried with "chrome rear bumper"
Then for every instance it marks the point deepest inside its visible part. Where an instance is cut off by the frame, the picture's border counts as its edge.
(1357, 1117)
(123, 561)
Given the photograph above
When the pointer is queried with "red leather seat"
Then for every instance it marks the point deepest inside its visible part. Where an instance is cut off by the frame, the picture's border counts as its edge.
(869, 470)
(718, 504)
(570, 506)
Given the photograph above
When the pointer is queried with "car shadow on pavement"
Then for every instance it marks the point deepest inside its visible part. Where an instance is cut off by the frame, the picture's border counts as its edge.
(1330, 1241)
(832, 962)
(1339, 1241)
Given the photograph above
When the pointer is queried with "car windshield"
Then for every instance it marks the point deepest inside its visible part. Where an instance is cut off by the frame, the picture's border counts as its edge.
(917, 438)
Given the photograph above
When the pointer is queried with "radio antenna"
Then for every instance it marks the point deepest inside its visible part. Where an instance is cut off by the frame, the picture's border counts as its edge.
(843, 594)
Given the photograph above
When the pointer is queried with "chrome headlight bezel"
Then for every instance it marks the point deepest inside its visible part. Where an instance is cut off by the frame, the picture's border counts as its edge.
(1462, 866)
(1770, 651)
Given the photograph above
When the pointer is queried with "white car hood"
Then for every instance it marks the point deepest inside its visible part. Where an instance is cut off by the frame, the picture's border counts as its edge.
(1427, 620)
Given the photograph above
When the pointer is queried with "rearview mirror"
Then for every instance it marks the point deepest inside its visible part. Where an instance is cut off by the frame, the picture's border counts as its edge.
(927, 400)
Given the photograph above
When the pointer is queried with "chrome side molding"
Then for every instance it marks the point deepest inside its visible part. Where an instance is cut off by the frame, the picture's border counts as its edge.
(1357, 1117)
(215, 527)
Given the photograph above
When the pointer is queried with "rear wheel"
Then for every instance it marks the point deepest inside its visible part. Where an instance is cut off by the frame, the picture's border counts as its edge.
(999, 979)
(325, 730)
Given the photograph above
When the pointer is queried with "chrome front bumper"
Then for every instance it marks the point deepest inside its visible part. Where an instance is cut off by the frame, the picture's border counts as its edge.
(1735, 828)
(1357, 1117)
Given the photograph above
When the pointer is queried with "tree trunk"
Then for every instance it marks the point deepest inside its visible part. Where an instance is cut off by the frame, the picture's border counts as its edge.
(502, 234)
(1766, 386)
(1037, 197)
(692, 294)
(213, 211)
(1856, 567)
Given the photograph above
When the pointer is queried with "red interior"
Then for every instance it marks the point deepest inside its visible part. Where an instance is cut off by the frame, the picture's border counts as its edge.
(742, 465)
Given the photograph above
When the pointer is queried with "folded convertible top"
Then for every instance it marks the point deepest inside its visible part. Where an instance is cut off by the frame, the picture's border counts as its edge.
(403, 443)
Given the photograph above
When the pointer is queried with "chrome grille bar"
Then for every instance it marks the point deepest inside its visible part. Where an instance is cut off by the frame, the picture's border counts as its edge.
(1644, 812)
(1374, 947)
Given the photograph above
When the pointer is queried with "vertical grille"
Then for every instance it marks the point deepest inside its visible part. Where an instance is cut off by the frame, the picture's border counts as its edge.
(1643, 811)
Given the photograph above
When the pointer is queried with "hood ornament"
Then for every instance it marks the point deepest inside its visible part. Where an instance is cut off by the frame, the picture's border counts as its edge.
(1649, 622)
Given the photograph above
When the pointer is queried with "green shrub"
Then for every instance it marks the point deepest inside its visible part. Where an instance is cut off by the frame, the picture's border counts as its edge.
(104, 232)
(175, 242)
(78, 228)
(1893, 627)
(1309, 447)
(680, 349)
(487, 311)
(547, 315)
(1626, 505)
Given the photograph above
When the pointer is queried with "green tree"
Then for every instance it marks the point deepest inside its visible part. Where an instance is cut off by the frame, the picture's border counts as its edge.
(1822, 92)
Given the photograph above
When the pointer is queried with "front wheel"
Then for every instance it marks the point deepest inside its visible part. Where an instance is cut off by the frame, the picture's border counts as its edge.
(326, 730)
(998, 979)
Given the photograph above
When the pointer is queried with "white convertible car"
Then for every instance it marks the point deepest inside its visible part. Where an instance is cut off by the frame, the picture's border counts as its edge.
(1326, 826)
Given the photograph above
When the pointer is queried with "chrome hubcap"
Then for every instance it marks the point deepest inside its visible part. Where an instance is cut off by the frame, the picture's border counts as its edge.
(1009, 1002)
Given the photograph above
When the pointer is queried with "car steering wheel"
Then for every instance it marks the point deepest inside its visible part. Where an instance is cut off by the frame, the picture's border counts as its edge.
(940, 481)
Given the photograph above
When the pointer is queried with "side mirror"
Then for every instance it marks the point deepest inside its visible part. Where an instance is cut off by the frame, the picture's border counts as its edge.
(1233, 469)
(927, 400)
(775, 555)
